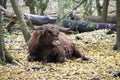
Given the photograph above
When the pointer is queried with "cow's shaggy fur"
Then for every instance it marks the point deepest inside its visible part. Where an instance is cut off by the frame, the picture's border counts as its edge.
(50, 45)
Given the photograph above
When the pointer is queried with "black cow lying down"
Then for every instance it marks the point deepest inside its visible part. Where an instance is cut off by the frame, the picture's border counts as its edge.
(89, 26)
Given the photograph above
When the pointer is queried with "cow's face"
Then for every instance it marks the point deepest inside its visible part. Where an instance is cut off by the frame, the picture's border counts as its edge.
(50, 34)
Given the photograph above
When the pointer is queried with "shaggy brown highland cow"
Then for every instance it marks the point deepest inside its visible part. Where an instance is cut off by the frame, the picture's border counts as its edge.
(51, 45)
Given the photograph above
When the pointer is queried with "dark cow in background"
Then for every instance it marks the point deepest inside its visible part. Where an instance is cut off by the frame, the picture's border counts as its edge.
(50, 45)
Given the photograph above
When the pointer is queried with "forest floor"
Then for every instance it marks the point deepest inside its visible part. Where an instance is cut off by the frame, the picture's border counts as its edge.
(96, 45)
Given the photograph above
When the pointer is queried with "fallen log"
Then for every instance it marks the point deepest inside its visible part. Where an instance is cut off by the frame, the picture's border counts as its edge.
(89, 26)
(76, 26)
(110, 19)
(35, 19)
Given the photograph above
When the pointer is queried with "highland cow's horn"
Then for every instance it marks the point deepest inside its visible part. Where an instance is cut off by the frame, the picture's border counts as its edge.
(38, 27)
(73, 25)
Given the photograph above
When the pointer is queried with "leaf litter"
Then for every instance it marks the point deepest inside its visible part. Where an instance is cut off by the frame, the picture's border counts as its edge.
(96, 45)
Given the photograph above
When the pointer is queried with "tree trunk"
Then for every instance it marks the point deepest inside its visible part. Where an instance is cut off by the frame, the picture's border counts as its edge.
(42, 6)
(98, 7)
(105, 10)
(117, 45)
(87, 6)
(20, 18)
(90, 7)
(31, 5)
(60, 12)
(5, 57)
(4, 2)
